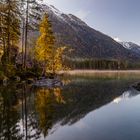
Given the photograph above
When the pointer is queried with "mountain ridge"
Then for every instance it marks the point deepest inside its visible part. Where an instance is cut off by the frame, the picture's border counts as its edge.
(129, 45)
(85, 41)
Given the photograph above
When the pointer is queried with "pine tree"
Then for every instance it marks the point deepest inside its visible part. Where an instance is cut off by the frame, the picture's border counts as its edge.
(9, 28)
(45, 49)
(45, 43)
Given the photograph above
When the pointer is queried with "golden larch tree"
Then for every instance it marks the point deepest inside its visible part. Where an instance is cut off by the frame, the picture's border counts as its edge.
(45, 43)
(45, 50)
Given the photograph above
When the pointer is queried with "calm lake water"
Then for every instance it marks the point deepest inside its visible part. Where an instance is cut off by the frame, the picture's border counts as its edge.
(86, 107)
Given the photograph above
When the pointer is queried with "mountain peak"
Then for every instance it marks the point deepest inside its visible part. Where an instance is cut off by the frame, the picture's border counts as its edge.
(85, 41)
(67, 18)
(52, 9)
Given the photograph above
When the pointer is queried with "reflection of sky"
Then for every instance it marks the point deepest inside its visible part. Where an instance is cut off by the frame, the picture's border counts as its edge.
(110, 122)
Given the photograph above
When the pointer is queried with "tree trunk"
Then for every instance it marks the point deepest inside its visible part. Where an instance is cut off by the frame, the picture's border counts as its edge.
(26, 35)
(23, 32)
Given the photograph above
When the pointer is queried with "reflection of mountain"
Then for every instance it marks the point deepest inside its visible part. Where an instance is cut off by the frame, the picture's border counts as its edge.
(126, 95)
(32, 113)
(88, 97)
(76, 100)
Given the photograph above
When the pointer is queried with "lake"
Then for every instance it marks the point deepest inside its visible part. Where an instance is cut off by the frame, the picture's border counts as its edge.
(89, 106)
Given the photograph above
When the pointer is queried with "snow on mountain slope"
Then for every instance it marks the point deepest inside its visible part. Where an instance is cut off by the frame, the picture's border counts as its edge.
(68, 18)
(129, 45)
(52, 10)
(126, 45)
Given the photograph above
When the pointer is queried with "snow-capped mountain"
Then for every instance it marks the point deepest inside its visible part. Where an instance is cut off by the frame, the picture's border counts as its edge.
(67, 18)
(85, 41)
(129, 45)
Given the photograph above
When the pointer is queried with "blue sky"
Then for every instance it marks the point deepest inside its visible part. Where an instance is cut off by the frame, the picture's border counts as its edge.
(116, 18)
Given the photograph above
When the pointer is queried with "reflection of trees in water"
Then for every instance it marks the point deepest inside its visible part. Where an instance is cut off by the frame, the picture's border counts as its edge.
(75, 101)
(24, 114)
(17, 117)
(8, 114)
(28, 121)
(27, 113)
(46, 102)
(80, 98)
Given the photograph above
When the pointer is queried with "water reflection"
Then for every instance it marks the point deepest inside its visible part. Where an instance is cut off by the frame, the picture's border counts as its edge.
(126, 95)
(47, 103)
(9, 129)
(31, 113)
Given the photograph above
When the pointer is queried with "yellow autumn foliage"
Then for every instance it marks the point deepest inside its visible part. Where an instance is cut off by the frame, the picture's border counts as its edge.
(45, 50)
